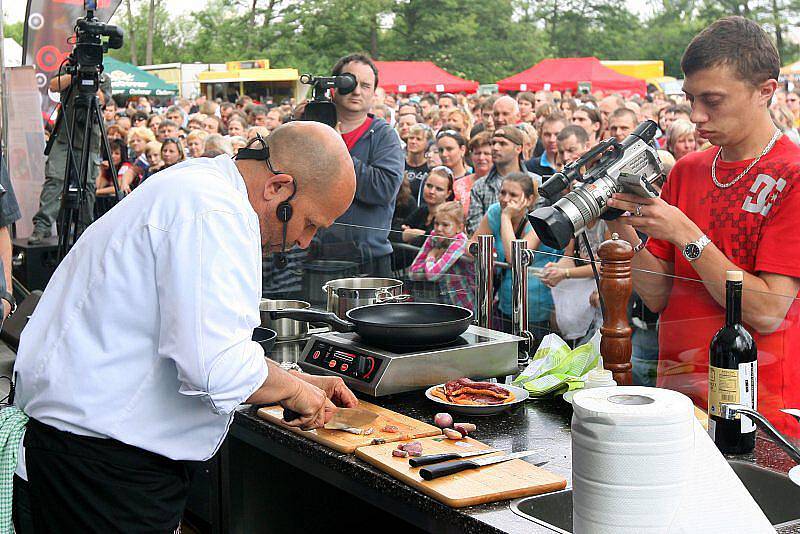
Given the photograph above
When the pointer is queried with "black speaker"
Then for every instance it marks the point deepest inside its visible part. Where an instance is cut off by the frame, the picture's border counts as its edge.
(33, 265)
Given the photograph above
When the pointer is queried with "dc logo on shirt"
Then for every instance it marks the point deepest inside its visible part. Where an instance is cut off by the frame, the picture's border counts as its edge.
(765, 189)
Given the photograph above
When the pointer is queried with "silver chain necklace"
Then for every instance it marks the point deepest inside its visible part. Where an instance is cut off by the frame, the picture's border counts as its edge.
(767, 148)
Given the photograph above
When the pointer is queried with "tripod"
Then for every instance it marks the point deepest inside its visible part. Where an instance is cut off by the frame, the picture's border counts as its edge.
(74, 215)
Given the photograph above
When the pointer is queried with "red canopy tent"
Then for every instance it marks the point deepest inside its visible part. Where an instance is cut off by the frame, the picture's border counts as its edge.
(566, 73)
(418, 76)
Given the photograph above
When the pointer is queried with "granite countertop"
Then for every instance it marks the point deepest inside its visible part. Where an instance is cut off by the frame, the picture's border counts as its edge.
(538, 424)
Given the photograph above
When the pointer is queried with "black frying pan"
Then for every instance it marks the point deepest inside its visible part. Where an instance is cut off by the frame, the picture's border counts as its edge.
(394, 325)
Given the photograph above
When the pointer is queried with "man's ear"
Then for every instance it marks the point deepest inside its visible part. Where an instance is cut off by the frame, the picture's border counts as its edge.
(767, 89)
(278, 186)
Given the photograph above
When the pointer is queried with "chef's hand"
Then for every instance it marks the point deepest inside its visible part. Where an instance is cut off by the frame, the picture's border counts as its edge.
(333, 386)
(311, 403)
(654, 217)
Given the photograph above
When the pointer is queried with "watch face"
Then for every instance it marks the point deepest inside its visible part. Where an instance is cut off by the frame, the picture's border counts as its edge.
(692, 251)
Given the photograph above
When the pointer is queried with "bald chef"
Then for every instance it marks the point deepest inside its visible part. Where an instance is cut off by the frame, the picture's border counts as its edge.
(140, 349)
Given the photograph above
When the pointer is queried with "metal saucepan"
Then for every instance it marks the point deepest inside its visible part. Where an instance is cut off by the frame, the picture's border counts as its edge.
(346, 294)
(287, 329)
(397, 325)
(265, 337)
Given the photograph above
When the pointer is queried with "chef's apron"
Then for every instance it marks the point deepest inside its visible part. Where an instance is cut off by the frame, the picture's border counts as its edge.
(84, 484)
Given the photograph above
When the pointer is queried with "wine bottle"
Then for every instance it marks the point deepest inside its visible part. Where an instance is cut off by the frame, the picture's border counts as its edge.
(732, 375)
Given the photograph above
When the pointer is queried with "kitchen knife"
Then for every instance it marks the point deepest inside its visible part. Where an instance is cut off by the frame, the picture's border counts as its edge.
(429, 459)
(449, 468)
(342, 419)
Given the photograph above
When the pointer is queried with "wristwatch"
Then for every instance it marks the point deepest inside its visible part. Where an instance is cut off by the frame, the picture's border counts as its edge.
(693, 250)
(8, 297)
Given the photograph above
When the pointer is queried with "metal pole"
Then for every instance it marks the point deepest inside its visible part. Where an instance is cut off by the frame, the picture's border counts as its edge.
(520, 259)
(3, 93)
(484, 279)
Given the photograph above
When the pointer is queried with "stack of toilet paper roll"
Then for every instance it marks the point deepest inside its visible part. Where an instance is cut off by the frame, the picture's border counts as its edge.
(642, 463)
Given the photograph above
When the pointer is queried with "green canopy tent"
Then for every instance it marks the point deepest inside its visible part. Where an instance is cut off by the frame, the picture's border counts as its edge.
(128, 80)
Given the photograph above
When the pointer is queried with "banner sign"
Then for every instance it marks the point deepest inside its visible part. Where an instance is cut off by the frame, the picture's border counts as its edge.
(48, 39)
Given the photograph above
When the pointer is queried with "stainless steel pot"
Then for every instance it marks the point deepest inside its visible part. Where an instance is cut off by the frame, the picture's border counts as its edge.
(345, 294)
(287, 329)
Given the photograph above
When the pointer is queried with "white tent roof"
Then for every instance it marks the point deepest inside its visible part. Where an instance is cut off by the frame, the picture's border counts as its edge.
(12, 53)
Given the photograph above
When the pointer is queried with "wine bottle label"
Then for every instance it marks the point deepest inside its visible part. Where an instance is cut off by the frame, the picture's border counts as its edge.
(748, 392)
(723, 387)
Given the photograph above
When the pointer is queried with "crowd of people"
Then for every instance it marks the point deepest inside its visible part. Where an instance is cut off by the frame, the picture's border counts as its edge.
(434, 172)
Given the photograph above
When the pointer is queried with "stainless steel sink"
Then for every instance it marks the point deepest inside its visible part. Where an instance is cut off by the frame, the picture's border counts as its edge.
(777, 496)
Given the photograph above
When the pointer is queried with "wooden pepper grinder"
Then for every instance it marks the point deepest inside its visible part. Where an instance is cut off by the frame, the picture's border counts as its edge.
(615, 288)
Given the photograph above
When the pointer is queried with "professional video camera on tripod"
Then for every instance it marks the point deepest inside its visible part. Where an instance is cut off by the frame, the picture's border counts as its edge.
(80, 104)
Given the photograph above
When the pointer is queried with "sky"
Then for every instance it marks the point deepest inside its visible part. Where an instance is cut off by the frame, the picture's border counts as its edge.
(15, 9)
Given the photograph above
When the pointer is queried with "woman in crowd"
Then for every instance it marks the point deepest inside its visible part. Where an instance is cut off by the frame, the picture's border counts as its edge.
(433, 119)
(154, 122)
(453, 151)
(137, 143)
(530, 138)
(568, 107)
(237, 142)
(237, 126)
(438, 189)
(105, 194)
(527, 104)
(590, 120)
(115, 131)
(681, 139)
(460, 121)
(480, 151)
(507, 220)
(171, 154)
(196, 143)
(217, 145)
(438, 260)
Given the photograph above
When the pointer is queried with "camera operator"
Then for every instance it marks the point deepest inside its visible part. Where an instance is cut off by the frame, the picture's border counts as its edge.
(379, 163)
(56, 165)
(735, 206)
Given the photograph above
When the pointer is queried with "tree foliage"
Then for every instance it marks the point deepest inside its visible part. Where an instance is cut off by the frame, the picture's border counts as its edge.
(483, 40)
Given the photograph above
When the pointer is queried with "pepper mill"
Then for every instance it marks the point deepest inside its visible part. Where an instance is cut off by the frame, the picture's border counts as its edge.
(615, 288)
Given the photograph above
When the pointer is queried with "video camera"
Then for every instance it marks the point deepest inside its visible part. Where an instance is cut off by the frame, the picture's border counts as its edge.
(320, 108)
(86, 60)
(631, 167)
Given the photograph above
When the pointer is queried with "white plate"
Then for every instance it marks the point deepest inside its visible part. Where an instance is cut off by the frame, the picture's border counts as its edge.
(520, 395)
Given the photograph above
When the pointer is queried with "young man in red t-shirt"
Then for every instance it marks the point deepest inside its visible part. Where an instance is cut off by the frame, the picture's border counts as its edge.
(733, 206)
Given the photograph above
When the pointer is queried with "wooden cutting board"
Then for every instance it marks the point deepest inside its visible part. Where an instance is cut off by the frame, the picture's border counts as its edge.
(507, 480)
(345, 442)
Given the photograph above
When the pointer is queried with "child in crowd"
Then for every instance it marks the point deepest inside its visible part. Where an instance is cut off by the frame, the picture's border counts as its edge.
(438, 260)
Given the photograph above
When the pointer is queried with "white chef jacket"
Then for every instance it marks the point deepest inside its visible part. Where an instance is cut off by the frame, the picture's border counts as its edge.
(144, 332)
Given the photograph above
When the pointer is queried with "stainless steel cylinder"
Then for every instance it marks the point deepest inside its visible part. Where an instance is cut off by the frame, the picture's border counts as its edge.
(287, 329)
(348, 293)
(484, 280)
(521, 258)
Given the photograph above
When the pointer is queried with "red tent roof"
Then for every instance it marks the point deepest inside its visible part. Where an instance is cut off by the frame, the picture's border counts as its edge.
(417, 76)
(566, 73)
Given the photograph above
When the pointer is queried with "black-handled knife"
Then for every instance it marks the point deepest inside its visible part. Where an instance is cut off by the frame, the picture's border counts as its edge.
(450, 468)
(429, 459)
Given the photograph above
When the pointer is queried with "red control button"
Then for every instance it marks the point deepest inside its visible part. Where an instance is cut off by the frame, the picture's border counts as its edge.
(332, 364)
(316, 355)
(344, 367)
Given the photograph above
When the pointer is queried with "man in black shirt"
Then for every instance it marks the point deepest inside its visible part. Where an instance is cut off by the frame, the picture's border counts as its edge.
(545, 165)
(416, 165)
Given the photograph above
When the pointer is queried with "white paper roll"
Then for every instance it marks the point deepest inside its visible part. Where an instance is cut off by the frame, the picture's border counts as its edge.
(641, 463)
